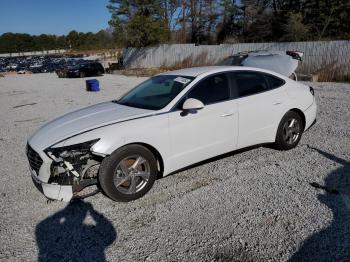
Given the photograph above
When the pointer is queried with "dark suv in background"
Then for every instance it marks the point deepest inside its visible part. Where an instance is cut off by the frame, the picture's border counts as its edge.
(82, 70)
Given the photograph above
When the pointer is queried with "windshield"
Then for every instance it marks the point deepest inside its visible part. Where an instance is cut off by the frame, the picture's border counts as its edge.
(156, 92)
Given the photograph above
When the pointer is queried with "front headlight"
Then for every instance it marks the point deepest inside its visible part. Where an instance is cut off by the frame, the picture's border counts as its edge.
(76, 150)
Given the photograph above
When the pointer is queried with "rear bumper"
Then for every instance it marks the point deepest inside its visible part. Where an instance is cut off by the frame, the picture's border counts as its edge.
(310, 115)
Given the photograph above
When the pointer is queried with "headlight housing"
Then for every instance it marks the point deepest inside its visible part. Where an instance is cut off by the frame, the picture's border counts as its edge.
(71, 150)
(72, 163)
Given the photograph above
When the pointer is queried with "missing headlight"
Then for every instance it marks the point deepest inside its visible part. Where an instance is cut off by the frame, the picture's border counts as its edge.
(74, 165)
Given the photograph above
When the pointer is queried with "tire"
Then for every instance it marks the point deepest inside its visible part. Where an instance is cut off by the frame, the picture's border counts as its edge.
(128, 173)
(81, 74)
(289, 131)
(294, 76)
(99, 73)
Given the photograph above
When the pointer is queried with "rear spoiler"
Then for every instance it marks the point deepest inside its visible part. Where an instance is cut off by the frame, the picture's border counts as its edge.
(295, 54)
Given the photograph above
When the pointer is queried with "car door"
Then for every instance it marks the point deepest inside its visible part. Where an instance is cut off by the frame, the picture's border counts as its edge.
(261, 106)
(88, 69)
(94, 69)
(207, 132)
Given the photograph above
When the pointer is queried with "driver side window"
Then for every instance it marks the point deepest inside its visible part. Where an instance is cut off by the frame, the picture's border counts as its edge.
(211, 90)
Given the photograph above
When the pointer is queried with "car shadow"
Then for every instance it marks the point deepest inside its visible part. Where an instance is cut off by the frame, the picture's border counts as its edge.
(333, 242)
(76, 233)
(216, 158)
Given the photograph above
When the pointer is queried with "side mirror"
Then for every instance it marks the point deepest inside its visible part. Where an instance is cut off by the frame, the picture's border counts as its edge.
(192, 104)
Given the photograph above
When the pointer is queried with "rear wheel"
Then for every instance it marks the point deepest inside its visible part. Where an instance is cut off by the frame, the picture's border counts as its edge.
(289, 131)
(128, 173)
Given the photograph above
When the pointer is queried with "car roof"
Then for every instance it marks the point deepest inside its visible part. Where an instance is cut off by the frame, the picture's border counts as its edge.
(196, 71)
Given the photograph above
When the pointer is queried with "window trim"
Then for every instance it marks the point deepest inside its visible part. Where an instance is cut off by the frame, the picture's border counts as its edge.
(230, 88)
(262, 74)
(269, 82)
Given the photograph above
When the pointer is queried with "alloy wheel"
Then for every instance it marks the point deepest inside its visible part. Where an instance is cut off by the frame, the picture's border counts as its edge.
(291, 131)
(132, 174)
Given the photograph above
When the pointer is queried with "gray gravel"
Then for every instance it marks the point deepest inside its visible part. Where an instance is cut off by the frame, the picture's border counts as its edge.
(254, 205)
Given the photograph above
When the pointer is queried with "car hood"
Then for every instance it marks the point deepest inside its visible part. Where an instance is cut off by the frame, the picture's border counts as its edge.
(83, 120)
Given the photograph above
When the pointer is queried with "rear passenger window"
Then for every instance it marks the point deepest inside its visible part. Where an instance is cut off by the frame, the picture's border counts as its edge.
(274, 81)
(211, 90)
(250, 83)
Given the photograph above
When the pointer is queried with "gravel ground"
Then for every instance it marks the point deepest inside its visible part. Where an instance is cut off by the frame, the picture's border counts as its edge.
(254, 205)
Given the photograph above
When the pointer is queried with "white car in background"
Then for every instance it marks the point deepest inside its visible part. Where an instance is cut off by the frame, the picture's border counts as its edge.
(282, 62)
(166, 123)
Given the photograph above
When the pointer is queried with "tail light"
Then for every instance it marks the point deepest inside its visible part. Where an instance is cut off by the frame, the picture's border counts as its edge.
(295, 54)
(312, 91)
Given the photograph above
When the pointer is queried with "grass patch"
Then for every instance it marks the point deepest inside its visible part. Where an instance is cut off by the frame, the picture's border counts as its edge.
(140, 71)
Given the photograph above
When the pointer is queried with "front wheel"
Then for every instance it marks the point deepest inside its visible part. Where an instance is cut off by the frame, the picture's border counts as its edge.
(289, 131)
(128, 173)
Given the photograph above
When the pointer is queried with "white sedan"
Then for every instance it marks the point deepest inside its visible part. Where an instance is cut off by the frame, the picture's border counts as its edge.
(166, 123)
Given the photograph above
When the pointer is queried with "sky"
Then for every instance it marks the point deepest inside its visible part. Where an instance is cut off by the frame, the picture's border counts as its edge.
(53, 16)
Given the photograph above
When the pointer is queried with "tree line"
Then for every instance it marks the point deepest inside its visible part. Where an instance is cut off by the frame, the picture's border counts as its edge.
(14, 42)
(138, 23)
(145, 22)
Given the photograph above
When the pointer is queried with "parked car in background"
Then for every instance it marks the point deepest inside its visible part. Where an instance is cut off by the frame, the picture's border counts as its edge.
(82, 70)
(167, 123)
(38, 64)
(21, 70)
(282, 62)
(36, 68)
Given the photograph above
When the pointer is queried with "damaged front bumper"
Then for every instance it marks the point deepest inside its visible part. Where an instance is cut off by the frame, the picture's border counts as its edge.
(52, 191)
(60, 173)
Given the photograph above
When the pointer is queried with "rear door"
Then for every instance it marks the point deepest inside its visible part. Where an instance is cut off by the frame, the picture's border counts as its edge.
(206, 132)
(261, 106)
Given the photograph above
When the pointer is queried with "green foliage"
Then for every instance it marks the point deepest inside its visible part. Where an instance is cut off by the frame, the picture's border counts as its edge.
(142, 23)
(327, 19)
(138, 23)
(295, 29)
(12, 43)
(230, 25)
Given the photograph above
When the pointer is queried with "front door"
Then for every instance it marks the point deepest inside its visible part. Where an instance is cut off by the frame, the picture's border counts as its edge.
(207, 132)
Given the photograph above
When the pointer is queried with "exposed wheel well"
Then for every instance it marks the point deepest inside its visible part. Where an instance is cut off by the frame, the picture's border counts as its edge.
(156, 154)
(301, 114)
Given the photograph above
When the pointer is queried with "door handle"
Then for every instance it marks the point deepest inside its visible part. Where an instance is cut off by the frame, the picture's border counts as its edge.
(277, 103)
(227, 114)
